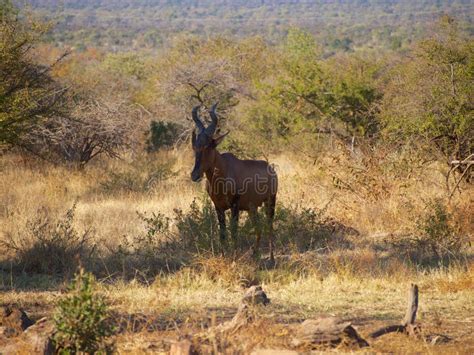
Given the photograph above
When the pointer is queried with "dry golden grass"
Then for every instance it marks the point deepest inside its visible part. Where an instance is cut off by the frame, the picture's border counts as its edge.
(26, 186)
(365, 284)
(184, 303)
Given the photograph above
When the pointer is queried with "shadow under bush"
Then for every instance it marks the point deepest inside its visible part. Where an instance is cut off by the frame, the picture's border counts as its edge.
(49, 245)
(166, 244)
(141, 176)
(189, 237)
(156, 250)
(436, 240)
(301, 230)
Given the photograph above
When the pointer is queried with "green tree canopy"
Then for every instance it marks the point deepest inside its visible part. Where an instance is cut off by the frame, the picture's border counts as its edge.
(310, 97)
(429, 94)
(27, 91)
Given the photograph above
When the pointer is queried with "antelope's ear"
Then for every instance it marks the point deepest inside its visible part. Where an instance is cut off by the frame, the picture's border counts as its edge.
(193, 138)
(218, 140)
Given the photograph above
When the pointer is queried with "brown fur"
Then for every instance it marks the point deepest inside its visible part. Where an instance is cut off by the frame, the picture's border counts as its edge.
(235, 184)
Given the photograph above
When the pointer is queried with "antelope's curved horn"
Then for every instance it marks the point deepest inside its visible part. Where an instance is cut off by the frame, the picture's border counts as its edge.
(196, 119)
(211, 129)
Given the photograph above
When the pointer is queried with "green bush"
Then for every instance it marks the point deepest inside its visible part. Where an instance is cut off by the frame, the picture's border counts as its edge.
(82, 318)
(162, 134)
(294, 229)
(168, 244)
(439, 236)
(28, 92)
(428, 96)
(152, 252)
(198, 229)
(436, 238)
(149, 253)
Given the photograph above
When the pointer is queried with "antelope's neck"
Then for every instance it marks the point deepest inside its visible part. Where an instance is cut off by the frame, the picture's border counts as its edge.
(218, 169)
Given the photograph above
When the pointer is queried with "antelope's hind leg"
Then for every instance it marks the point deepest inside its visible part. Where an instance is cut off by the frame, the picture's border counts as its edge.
(270, 214)
(221, 219)
(253, 214)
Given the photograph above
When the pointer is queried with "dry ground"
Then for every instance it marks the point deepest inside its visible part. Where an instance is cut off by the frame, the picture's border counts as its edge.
(364, 284)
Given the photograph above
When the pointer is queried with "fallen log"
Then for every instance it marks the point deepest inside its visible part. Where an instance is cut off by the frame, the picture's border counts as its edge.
(36, 339)
(13, 321)
(327, 331)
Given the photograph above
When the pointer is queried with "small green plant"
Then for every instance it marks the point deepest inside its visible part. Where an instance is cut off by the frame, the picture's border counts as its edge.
(148, 254)
(82, 318)
(437, 237)
(157, 244)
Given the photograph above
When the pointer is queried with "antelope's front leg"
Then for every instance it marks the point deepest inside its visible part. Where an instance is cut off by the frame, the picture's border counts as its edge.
(221, 219)
(234, 223)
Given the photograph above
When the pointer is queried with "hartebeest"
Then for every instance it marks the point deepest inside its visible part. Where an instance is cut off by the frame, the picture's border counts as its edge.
(232, 183)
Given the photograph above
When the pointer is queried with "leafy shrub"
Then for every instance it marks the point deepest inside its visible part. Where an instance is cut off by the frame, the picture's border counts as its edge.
(193, 236)
(28, 91)
(162, 134)
(427, 95)
(436, 238)
(438, 232)
(50, 246)
(163, 247)
(198, 229)
(152, 252)
(296, 229)
(82, 318)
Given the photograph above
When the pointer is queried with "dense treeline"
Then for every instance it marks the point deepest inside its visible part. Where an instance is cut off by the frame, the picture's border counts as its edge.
(290, 95)
(337, 25)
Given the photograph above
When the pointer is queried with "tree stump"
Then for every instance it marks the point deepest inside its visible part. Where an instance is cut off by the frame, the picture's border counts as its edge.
(254, 296)
(408, 323)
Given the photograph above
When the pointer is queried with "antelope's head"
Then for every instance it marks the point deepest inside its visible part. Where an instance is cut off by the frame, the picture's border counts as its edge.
(204, 143)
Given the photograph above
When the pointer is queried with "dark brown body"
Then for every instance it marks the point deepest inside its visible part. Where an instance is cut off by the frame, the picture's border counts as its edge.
(252, 182)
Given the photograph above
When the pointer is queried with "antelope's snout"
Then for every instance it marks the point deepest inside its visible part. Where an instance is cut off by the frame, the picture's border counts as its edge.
(196, 176)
